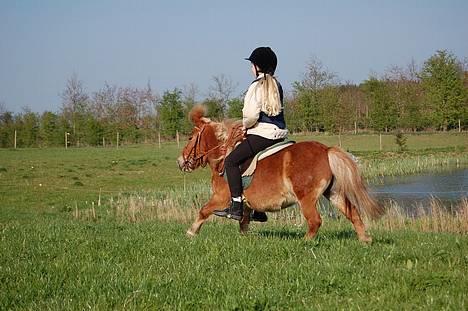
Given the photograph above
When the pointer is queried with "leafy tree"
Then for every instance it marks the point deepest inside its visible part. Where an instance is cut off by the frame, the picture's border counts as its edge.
(171, 112)
(292, 114)
(93, 131)
(219, 95)
(352, 107)
(383, 114)
(406, 93)
(50, 132)
(214, 108)
(28, 128)
(6, 129)
(308, 108)
(332, 116)
(442, 79)
(235, 106)
(313, 95)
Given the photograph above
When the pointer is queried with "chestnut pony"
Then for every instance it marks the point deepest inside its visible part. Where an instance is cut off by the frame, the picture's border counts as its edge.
(300, 173)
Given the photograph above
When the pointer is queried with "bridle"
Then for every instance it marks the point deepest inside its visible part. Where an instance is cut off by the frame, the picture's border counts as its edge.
(195, 157)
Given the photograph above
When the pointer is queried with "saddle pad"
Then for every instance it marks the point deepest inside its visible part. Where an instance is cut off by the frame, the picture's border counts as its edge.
(266, 153)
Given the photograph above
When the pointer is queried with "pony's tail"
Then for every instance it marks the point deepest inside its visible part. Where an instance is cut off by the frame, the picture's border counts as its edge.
(349, 183)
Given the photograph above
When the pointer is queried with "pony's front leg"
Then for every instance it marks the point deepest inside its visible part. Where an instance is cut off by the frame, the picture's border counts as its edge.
(245, 221)
(216, 202)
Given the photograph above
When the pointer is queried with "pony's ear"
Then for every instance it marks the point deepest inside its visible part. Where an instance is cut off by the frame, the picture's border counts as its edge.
(197, 115)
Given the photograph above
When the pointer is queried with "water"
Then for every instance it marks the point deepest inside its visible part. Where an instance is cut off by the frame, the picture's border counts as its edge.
(417, 190)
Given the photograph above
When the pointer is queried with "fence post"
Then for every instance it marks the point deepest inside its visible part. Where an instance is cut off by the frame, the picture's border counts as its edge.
(159, 140)
(177, 138)
(15, 139)
(66, 140)
(118, 138)
(380, 141)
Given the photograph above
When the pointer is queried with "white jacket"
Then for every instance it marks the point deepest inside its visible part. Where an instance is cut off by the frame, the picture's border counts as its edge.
(251, 113)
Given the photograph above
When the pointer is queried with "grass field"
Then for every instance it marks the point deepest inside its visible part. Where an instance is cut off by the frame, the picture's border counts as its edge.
(56, 255)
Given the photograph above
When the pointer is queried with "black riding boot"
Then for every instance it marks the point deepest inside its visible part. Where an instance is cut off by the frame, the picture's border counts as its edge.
(235, 211)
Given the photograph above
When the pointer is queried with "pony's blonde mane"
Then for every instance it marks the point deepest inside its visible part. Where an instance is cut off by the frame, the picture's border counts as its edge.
(222, 129)
(225, 127)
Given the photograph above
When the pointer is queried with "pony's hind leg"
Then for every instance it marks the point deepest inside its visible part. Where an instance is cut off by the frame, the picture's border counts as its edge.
(308, 206)
(214, 203)
(352, 214)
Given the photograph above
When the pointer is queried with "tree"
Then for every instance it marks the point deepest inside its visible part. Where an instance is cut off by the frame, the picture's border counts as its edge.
(406, 93)
(312, 95)
(214, 108)
(352, 114)
(442, 79)
(292, 114)
(331, 109)
(127, 114)
(28, 128)
(235, 106)
(6, 129)
(171, 112)
(220, 93)
(50, 131)
(104, 106)
(383, 115)
(75, 106)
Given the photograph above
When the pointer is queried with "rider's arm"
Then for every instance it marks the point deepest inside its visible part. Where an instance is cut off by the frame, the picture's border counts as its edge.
(252, 106)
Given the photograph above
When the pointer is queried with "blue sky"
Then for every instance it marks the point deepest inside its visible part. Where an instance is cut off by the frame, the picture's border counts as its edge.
(176, 43)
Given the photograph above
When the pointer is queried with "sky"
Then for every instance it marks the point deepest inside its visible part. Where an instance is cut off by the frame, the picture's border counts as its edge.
(176, 43)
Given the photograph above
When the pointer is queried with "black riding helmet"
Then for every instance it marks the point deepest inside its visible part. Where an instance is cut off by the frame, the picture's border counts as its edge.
(265, 59)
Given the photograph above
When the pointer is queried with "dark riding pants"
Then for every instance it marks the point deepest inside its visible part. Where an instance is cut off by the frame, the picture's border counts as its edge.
(252, 145)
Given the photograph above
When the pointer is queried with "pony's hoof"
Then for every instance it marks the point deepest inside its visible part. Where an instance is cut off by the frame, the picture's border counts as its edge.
(190, 234)
(244, 231)
(366, 239)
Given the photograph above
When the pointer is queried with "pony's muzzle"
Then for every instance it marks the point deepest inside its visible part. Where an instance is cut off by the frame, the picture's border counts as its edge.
(183, 165)
(180, 162)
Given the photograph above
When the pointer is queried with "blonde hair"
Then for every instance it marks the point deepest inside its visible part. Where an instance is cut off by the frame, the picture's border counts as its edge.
(271, 102)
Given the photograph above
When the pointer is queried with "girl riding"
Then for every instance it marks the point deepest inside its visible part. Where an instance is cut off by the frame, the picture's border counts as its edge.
(264, 124)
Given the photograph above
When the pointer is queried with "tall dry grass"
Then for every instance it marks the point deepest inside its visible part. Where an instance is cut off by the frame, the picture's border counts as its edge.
(181, 206)
(433, 218)
(399, 164)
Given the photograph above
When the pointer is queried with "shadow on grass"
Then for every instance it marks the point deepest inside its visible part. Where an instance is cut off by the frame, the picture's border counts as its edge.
(282, 234)
(299, 235)
(346, 234)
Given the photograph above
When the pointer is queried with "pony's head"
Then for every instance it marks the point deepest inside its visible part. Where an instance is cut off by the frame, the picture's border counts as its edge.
(205, 142)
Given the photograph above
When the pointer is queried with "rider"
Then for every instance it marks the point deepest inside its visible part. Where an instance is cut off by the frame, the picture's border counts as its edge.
(263, 121)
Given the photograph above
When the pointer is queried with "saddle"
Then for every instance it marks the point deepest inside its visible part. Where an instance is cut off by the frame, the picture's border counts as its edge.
(249, 166)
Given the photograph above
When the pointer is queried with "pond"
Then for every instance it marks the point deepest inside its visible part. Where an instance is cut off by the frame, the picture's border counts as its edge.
(417, 190)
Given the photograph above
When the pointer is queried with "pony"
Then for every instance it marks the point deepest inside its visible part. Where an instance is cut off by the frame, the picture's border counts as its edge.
(298, 174)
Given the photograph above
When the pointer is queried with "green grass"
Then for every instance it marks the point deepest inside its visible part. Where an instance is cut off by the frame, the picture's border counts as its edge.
(46, 180)
(58, 264)
(55, 254)
(370, 142)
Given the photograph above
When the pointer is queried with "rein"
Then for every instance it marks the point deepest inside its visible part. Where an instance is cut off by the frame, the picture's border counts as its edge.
(197, 158)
